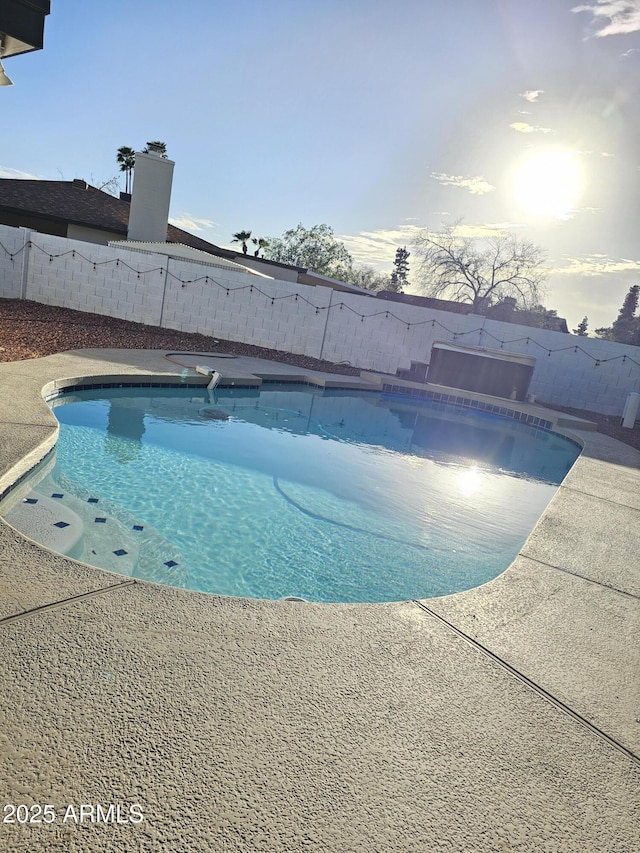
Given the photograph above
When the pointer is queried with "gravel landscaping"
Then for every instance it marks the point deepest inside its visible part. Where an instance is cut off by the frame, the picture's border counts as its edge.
(31, 330)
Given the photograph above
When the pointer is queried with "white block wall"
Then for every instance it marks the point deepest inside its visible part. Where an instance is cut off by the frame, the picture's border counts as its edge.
(584, 373)
(366, 332)
(237, 306)
(12, 259)
(391, 335)
(95, 278)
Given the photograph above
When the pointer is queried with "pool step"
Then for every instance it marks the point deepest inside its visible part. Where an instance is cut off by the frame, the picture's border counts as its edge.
(114, 539)
(47, 521)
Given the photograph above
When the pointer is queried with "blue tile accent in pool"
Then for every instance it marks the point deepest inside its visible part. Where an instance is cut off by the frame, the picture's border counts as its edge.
(96, 386)
(120, 552)
(57, 495)
(319, 386)
(469, 403)
(30, 500)
(170, 564)
(92, 500)
(100, 520)
(138, 527)
(61, 524)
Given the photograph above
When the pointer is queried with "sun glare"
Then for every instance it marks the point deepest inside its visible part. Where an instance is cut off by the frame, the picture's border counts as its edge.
(548, 183)
(469, 481)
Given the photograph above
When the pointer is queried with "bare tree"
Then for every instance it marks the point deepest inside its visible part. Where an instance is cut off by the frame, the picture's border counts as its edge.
(368, 278)
(112, 186)
(480, 271)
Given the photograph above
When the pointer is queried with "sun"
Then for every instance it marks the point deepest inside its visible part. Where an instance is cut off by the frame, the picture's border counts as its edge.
(548, 183)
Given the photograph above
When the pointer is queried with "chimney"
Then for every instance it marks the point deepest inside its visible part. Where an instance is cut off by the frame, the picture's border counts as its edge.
(149, 213)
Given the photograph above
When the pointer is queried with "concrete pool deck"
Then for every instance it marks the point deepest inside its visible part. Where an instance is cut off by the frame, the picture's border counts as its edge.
(504, 718)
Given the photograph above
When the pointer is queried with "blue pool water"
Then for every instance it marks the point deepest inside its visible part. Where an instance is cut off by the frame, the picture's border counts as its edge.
(327, 496)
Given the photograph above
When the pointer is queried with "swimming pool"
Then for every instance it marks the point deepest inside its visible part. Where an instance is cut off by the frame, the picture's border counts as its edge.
(326, 496)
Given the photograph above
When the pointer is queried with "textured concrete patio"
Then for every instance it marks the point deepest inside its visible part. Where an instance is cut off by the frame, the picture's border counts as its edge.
(506, 718)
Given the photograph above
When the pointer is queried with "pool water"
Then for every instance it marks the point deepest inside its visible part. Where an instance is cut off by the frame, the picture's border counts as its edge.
(327, 496)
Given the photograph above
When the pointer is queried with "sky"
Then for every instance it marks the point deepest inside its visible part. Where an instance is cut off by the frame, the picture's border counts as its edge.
(380, 118)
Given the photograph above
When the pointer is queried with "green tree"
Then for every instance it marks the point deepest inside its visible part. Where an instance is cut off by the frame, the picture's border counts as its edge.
(242, 237)
(315, 249)
(127, 158)
(398, 281)
(261, 245)
(582, 328)
(479, 271)
(540, 318)
(626, 327)
(156, 147)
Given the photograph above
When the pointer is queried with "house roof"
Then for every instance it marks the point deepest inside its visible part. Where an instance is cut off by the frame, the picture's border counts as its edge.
(240, 257)
(22, 25)
(179, 251)
(426, 301)
(79, 203)
(315, 279)
(503, 311)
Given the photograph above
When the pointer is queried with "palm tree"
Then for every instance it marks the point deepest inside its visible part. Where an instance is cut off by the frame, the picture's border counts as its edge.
(127, 159)
(261, 243)
(159, 148)
(242, 237)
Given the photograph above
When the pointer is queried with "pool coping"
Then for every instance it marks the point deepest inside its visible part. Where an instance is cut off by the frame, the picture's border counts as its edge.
(561, 621)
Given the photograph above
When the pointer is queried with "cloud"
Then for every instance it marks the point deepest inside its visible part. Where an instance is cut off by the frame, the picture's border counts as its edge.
(475, 185)
(531, 95)
(191, 223)
(378, 248)
(629, 52)
(596, 265)
(6, 172)
(485, 230)
(523, 127)
(623, 16)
